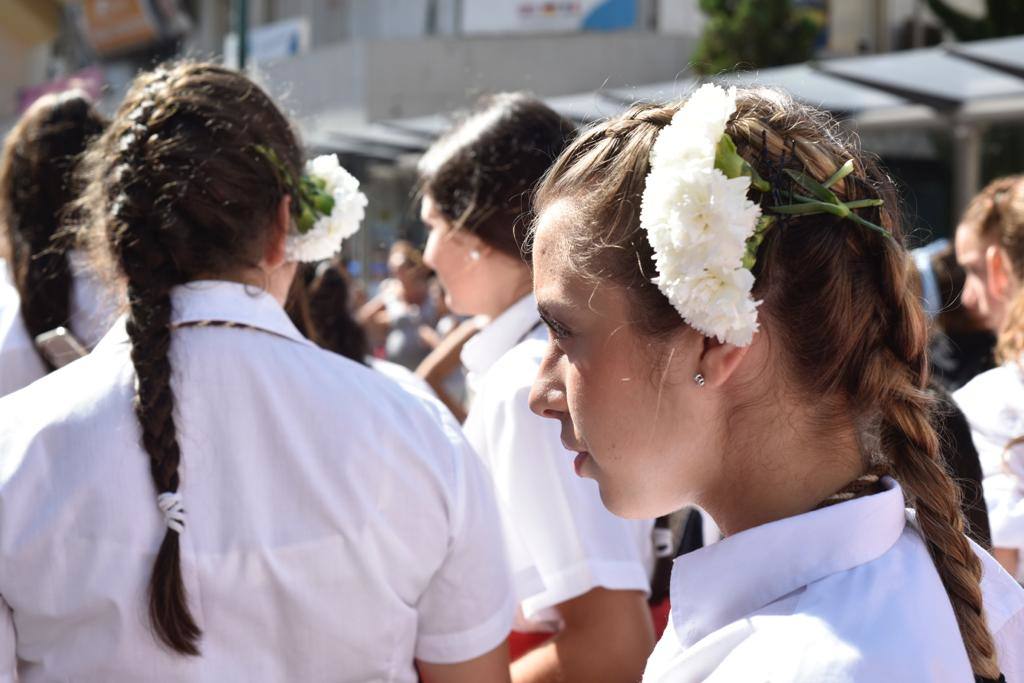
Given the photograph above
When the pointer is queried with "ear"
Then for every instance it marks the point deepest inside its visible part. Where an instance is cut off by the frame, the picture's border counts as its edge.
(719, 361)
(274, 253)
(998, 272)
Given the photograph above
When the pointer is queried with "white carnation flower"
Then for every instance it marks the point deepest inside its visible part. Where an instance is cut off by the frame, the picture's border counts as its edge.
(698, 221)
(325, 238)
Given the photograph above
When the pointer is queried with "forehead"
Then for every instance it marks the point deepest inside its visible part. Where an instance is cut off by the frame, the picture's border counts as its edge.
(551, 251)
(967, 241)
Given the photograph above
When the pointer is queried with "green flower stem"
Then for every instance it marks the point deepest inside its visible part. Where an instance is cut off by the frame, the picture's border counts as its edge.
(843, 171)
(311, 199)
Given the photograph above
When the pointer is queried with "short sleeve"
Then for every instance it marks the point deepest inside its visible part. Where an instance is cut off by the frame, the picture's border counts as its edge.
(1004, 493)
(8, 650)
(560, 527)
(468, 607)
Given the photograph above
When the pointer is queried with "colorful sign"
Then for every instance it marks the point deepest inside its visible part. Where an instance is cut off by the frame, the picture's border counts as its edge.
(547, 16)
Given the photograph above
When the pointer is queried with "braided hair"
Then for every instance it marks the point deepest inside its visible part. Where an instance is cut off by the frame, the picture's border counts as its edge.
(177, 191)
(839, 297)
(37, 186)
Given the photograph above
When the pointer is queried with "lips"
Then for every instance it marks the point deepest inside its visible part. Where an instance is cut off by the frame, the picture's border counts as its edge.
(578, 463)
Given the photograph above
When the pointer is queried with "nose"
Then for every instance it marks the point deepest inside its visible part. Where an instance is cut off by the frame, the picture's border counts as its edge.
(547, 395)
(968, 297)
(430, 250)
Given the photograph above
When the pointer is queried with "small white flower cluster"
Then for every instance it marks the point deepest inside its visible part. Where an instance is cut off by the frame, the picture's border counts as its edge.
(325, 238)
(698, 221)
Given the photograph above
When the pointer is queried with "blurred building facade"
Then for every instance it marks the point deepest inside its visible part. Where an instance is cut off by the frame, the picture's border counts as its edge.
(340, 66)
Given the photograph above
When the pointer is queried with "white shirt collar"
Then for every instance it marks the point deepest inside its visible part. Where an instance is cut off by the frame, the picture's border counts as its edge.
(500, 335)
(223, 301)
(724, 582)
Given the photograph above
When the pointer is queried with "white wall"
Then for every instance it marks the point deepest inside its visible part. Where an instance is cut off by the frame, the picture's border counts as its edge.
(680, 17)
(392, 79)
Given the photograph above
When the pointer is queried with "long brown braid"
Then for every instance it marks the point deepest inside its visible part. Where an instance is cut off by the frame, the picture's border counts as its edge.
(836, 294)
(37, 186)
(177, 192)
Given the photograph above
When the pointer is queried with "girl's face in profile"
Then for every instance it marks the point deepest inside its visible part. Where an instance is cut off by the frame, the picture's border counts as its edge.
(627, 403)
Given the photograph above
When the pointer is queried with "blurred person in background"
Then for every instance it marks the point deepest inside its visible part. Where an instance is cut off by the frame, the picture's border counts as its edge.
(961, 345)
(402, 314)
(209, 496)
(320, 304)
(582, 574)
(938, 284)
(990, 246)
(44, 284)
(990, 249)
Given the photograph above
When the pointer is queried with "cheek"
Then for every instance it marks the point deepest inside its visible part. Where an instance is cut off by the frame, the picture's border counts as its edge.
(610, 402)
(444, 256)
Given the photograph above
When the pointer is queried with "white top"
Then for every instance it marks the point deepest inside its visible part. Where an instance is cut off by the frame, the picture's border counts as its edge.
(562, 540)
(401, 375)
(994, 405)
(336, 526)
(20, 363)
(92, 309)
(843, 594)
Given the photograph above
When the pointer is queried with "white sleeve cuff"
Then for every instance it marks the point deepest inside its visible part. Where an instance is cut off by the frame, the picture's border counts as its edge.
(578, 579)
(450, 648)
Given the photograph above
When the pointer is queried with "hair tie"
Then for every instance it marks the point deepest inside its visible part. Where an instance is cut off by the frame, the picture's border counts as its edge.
(174, 514)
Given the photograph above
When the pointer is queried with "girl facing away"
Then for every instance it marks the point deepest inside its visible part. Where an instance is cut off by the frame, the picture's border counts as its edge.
(581, 574)
(208, 496)
(732, 325)
(44, 284)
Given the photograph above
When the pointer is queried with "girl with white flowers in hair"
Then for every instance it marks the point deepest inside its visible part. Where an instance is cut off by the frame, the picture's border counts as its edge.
(209, 496)
(732, 325)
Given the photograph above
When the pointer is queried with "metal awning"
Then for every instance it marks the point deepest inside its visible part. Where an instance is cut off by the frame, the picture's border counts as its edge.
(960, 87)
(1002, 54)
(934, 76)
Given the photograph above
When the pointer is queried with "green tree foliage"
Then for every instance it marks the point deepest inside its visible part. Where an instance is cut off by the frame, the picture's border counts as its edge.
(1001, 18)
(753, 34)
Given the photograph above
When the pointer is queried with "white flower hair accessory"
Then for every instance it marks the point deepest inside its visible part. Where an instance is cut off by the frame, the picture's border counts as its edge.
(327, 204)
(703, 227)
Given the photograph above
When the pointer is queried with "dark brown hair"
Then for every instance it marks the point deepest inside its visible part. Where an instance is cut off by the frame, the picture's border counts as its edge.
(482, 171)
(319, 306)
(179, 191)
(37, 185)
(836, 294)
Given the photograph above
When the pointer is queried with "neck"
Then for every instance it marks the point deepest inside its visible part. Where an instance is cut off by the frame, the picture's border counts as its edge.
(787, 475)
(519, 288)
(277, 282)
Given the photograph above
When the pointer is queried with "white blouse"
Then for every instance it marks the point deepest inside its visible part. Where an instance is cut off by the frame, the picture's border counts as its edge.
(994, 405)
(337, 527)
(847, 593)
(563, 542)
(92, 309)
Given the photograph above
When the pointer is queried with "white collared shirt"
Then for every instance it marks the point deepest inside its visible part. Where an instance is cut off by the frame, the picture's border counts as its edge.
(336, 526)
(843, 594)
(563, 542)
(994, 405)
(91, 310)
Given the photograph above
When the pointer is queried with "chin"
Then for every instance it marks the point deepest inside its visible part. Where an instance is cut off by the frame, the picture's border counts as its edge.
(622, 504)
